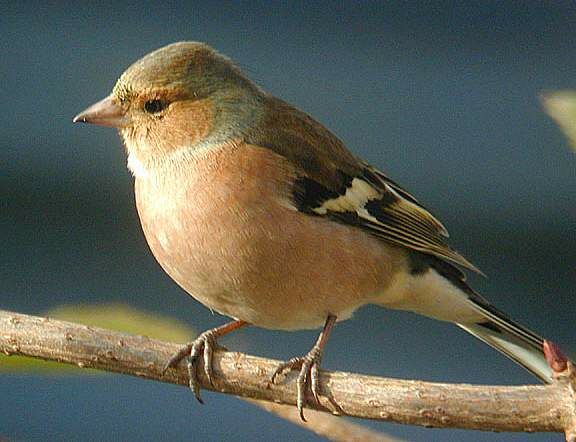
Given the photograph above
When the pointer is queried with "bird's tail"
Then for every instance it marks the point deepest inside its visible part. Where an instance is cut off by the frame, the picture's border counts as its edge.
(510, 338)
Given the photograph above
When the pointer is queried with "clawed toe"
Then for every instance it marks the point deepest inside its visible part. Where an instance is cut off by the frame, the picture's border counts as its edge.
(292, 364)
(308, 367)
(202, 347)
(177, 357)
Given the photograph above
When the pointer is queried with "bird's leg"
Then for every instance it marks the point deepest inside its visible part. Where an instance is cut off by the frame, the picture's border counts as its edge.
(308, 366)
(204, 345)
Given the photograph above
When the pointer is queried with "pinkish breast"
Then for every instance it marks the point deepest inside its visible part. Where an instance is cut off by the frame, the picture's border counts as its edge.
(222, 226)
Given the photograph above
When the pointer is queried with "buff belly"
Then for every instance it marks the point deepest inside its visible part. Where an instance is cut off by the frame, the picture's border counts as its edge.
(260, 261)
(272, 278)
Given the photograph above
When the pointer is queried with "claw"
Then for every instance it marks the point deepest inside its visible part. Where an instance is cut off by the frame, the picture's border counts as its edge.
(308, 366)
(193, 378)
(204, 346)
(307, 377)
(209, 344)
(177, 357)
(314, 383)
(291, 364)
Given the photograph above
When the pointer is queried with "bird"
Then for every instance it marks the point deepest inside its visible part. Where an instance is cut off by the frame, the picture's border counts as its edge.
(263, 215)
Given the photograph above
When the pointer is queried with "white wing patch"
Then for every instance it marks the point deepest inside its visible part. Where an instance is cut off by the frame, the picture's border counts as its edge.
(354, 200)
(385, 212)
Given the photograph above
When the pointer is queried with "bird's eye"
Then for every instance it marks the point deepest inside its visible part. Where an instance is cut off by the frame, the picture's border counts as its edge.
(154, 106)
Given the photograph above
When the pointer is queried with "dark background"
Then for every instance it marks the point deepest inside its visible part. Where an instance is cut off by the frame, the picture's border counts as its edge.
(440, 95)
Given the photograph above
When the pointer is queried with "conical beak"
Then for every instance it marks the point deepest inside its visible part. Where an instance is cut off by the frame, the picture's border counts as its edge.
(106, 112)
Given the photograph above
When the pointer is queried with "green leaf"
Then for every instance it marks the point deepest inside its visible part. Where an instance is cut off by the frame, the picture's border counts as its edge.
(119, 317)
(561, 107)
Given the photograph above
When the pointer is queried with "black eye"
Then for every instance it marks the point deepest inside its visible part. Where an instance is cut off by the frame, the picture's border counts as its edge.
(154, 106)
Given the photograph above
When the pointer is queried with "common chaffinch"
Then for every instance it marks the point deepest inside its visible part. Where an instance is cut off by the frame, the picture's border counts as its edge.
(262, 214)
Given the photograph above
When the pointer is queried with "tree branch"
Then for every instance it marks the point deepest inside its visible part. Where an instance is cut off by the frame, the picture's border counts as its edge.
(490, 408)
(331, 427)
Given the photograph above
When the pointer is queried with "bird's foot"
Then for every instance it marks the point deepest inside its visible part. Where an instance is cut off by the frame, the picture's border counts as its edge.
(307, 378)
(202, 347)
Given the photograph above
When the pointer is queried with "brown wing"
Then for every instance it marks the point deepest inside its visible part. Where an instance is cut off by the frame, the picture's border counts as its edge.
(334, 183)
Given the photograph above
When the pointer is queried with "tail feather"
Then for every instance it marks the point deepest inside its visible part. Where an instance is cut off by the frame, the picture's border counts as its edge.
(513, 340)
(435, 279)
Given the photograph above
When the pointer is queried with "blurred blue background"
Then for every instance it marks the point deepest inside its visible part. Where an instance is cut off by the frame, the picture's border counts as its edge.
(440, 95)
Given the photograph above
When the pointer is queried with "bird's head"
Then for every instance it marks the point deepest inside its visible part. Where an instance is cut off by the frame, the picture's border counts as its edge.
(181, 97)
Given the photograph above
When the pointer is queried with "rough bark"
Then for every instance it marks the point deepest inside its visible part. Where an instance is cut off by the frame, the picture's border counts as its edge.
(549, 408)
